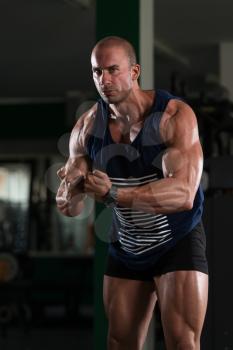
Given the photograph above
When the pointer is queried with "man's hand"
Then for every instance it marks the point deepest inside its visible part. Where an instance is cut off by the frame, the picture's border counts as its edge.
(97, 184)
(70, 194)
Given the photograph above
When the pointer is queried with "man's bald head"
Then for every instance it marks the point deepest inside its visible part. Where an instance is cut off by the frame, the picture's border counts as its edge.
(115, 41)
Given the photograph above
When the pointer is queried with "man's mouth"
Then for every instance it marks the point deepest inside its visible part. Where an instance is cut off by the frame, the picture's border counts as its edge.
(108, 92)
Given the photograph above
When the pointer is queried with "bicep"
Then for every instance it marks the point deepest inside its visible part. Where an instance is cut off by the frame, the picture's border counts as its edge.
(184, 158)
(77, 141)
(81, 132)
(78, 158)
(185, 164)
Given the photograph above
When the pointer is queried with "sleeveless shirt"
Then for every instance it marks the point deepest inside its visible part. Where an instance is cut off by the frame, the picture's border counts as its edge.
(138, 238)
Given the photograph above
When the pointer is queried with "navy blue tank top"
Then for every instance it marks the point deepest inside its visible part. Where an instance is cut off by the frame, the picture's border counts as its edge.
(138, 238)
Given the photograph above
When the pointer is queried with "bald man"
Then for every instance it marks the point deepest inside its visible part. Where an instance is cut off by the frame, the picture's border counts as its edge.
(139, 153)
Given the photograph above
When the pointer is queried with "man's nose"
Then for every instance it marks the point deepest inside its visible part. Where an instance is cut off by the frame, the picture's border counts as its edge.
(105, 78)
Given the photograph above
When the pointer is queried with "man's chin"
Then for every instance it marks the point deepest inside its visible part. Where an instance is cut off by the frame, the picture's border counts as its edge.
(111, 99)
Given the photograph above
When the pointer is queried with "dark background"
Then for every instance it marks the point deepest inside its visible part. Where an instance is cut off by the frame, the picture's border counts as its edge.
(45, 83)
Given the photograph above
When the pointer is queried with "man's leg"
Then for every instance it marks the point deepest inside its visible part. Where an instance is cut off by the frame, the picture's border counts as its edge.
(129, 306)
(182, 297)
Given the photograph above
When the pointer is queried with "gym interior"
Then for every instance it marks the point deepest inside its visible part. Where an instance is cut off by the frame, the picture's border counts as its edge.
(51, 266)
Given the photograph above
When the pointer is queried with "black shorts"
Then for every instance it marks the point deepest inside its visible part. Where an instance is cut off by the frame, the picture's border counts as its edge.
(188, 254)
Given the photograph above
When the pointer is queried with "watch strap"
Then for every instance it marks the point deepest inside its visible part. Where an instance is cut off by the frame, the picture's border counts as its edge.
(110, 199)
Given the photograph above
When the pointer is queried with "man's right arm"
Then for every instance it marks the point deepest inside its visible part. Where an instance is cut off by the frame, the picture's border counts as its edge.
(70, 194)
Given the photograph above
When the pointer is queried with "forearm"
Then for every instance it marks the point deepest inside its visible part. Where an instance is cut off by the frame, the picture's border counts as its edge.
(161, 197)
(70, 194)
(77, 166)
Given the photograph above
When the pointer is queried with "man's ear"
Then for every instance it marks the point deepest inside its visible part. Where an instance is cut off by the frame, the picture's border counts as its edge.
(135, 71)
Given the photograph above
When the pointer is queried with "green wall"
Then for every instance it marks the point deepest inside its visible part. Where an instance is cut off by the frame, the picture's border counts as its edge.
(119, 18)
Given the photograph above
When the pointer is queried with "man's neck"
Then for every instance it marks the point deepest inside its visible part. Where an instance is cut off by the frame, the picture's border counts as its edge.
(135, 108)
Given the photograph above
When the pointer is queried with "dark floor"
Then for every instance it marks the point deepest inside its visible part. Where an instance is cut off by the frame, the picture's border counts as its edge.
(47, 339)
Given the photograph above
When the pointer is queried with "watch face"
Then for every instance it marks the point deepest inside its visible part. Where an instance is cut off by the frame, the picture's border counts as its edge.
(113, 193)
(111, 196)
(109, 201)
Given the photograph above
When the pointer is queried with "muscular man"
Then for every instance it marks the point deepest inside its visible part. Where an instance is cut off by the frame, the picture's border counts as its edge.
(139, 152)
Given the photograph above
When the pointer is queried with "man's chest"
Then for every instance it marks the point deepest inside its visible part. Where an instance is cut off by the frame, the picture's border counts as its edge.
(123, 132)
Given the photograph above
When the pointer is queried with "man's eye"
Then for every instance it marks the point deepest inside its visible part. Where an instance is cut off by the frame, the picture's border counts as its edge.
(97, 71)
(112, 70)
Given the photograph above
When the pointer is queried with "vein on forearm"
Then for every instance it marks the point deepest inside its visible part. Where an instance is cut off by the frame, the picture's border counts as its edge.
(164, 196)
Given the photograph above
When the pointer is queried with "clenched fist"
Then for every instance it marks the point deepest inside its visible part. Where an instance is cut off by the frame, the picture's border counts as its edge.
(97, 184)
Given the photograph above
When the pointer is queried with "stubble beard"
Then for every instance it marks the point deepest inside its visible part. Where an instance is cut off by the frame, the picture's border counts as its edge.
(116, 99)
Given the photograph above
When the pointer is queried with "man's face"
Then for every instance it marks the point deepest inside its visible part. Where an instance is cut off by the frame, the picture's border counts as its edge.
(112, 73)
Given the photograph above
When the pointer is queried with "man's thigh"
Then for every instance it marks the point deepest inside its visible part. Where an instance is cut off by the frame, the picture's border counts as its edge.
(182, 297)
(129, 306)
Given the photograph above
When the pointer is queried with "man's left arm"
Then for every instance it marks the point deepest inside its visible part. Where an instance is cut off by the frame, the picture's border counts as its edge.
(182, 167)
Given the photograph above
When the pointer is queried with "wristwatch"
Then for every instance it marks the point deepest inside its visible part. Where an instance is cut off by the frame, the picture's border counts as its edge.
(110, 198)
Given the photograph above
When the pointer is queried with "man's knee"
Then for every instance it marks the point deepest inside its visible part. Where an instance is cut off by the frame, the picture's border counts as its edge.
(116, 343)
(185, 342)
(122, 340)
(186, 345)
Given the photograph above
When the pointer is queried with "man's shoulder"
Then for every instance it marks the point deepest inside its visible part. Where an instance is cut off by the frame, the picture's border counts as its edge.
(81, 130)
(90, 113)
(87, 118)
(177, 104)
(178, 112)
